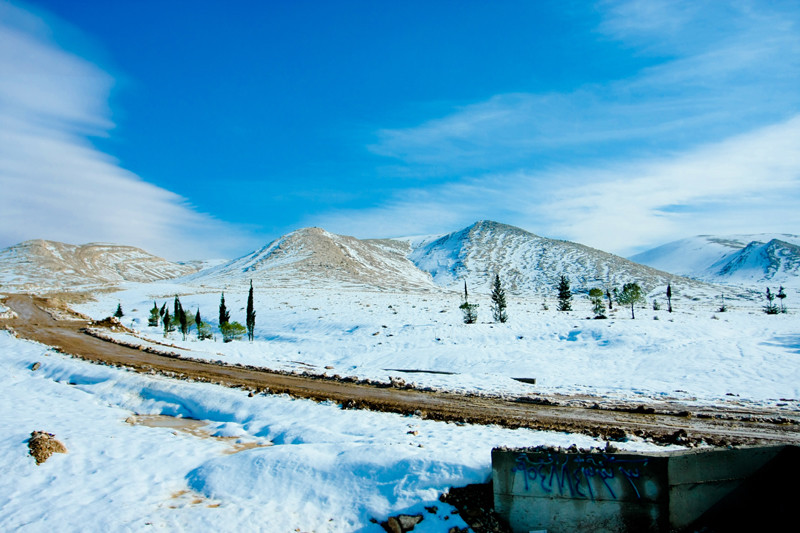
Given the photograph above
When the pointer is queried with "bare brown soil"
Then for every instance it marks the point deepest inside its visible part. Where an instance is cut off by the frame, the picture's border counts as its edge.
(595, 416)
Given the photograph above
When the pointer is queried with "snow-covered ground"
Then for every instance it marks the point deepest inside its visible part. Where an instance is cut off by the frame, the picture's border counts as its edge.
(694, 354)
(315, 467)
(327, 469)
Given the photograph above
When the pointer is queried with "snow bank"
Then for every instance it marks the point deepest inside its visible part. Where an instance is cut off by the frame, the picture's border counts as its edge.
(328, 469)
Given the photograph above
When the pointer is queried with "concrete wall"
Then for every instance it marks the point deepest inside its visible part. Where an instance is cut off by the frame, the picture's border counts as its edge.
(557, 491)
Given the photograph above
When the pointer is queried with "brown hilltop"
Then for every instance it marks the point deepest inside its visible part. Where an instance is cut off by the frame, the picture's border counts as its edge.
(40, 263)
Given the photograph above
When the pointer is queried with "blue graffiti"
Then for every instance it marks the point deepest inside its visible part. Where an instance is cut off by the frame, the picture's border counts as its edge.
(573, 474)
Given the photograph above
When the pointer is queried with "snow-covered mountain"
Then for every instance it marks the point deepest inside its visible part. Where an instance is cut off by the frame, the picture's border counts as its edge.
(313, 257)
(526, 262)
(48, 264)
(748, 260)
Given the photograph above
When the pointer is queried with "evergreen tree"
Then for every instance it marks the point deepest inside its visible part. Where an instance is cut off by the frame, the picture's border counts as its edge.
(167, 323)
(470, 310)
(224, 314)
(251, 315)
(118, 313)
(608, 295)
(203, 329)
(564, 294)
(498, 301)
(596, 297)
(631, 294)
(722, 308)
(183, 321)
(162, 310)
(155, 318)
(781, 295)
(177, 307)
(669, 297)
(771, 308)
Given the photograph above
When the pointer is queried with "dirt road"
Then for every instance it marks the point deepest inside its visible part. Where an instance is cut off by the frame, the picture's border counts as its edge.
(35, 320)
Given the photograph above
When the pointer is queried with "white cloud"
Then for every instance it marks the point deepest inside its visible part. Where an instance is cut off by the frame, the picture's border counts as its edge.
(721, 69)
(745, 184)
(55, 185)
(704, 140)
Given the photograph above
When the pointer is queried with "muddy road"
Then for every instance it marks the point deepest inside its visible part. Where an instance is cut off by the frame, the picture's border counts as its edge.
(36, 320)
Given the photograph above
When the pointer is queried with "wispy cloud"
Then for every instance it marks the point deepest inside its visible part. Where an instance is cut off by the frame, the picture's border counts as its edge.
(748, 182)
(730, 68)
(704, 140)
(55, 184)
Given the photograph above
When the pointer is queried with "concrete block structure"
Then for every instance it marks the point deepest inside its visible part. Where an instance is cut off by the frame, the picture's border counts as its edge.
(556, 490)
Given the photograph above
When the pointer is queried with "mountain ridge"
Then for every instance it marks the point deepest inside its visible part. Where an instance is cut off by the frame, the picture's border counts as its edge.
(746, 259)
(50, 264)
(315, 255)
(526, 262)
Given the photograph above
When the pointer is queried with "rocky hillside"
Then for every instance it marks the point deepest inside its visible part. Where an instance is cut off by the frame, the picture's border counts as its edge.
(749, 260)
(313, 257)
(528, 263)
(41, 264)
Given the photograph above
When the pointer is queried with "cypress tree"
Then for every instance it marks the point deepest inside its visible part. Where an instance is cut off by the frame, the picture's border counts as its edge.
(167, 322)
(469, 310)
(203, 329)
(224, 314)
(498, 301)
(251, 315)
(118, 313)
(183, 321)
(669, 297)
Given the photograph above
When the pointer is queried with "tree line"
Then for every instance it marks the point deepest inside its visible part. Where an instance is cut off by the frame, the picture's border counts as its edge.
(179, 320)
(628, 295)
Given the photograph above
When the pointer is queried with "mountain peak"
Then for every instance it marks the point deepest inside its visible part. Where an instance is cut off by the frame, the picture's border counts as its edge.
(735, 259)
(525, 261)
(314, 255)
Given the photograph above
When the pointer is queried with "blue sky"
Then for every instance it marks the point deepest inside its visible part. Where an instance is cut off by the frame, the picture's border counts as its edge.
(206, 129)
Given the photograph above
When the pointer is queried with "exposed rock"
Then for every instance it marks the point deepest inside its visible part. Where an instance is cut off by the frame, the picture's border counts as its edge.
(475, 505)
(42, 445)
(35, 366)
(401, 523)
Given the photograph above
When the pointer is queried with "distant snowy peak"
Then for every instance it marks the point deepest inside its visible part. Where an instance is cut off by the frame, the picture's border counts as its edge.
(50, 264)
(776, 260)
(313, 256)
(526, 262)
(736, 259)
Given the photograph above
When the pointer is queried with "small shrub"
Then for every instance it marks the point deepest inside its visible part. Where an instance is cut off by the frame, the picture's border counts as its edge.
(598, 307)
(232, 331)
